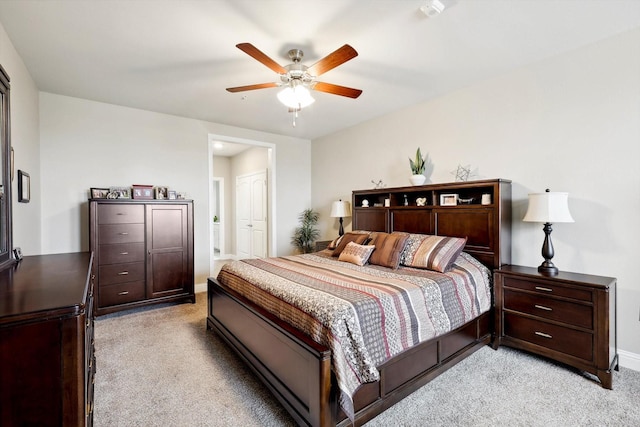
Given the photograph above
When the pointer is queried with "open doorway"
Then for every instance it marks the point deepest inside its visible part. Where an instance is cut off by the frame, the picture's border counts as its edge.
(222, 172)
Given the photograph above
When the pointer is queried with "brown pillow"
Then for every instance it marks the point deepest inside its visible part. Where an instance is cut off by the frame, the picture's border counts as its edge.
(356, 254)
(388, 248)
(358, 238)
(432, 252)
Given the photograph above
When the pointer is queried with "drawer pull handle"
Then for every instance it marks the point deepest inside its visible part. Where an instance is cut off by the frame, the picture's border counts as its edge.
(542, 334)
(124, 233)
(124, 253)
(123, 273)
(123, 293)
(121, 213)
(540, 288)
(542, 307)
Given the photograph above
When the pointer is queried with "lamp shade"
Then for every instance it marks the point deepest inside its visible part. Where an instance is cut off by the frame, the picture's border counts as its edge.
(340, 209)
(548, 207)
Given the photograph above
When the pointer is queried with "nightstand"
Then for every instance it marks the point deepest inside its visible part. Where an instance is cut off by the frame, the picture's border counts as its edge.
(322, 244)
(570, 317)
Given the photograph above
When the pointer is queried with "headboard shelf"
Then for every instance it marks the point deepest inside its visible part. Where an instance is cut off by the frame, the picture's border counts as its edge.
(477, 210)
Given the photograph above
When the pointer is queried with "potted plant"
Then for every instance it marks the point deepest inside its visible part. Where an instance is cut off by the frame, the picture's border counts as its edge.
(417, 168)
(304, 237)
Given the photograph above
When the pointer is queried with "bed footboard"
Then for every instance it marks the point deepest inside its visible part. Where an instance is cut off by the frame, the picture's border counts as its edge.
(296, 369)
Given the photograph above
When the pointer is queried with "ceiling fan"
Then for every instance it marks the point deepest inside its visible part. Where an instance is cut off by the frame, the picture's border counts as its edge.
(298, 79)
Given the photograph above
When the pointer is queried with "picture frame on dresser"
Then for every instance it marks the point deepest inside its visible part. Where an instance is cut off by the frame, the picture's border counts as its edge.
(99, 193)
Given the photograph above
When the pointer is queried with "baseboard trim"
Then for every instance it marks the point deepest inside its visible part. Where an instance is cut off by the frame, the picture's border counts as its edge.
(629, 360)
(200, 287)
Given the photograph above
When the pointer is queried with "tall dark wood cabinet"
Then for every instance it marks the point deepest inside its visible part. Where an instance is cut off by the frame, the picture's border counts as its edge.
(144, 252)
(47, 362)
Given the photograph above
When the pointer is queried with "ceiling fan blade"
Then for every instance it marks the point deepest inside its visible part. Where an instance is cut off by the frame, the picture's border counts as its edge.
(337, 90)
(255, 53)
(252, 87)
(331, 61)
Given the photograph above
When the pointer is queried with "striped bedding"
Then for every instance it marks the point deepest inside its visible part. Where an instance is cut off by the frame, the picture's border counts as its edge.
(365, 315)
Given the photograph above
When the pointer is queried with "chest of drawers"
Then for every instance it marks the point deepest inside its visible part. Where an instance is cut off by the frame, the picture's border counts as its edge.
(569, 317)
(47, 361)
(144, 252)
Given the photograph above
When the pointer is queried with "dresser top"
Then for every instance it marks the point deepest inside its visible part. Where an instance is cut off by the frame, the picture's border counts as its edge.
(44, 285)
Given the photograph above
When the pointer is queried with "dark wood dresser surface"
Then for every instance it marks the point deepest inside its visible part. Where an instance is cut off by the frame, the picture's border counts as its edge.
(47, 360)
(569, 317)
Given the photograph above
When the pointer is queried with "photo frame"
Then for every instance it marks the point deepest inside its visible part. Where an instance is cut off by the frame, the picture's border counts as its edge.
(142, 192)
(161, 193)
(24, 187)
(119, 193)
(448, 199)
(17, 253)
(172, 195)
(99, 193)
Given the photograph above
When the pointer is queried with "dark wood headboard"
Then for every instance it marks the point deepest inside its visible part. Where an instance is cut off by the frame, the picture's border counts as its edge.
(455, 209)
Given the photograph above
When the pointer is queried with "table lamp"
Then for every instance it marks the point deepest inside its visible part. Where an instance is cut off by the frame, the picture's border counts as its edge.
(340, 210)
(548, 207)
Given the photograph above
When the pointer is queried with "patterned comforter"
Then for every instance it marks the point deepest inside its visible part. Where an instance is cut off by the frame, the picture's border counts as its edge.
(365, 315)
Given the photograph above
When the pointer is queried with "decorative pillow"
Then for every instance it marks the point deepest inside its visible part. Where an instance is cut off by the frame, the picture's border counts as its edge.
(432, 252)
(356, 254)
(334, 243)
(388, 248)
(357, 237)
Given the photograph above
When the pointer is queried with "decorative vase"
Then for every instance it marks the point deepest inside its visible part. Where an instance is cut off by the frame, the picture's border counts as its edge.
(418, 179)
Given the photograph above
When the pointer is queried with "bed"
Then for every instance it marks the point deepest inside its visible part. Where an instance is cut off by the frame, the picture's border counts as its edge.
(325, 381)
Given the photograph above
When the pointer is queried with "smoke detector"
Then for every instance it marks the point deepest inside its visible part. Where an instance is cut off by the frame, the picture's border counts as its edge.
(432, 8)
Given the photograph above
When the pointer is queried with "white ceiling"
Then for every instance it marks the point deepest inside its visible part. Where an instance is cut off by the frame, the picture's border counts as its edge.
(178, 56)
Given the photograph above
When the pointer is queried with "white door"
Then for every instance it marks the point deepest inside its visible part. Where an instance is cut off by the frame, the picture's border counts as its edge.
(251, 215)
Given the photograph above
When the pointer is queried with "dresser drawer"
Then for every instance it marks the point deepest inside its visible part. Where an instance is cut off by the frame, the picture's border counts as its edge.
(120, 214)
(549, 308)
(548, 288)
(554, 337)
(121, 273)
(121, 293)
(121, 253)
(120, 233)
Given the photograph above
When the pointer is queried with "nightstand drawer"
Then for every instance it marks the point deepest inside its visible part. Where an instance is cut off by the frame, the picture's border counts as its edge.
(548, 288)
(121, 233)
(120, 273)
(549, 308)
(120, 214)
(554, 337)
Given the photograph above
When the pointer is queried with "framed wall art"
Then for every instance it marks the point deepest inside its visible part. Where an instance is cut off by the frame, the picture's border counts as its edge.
(24, 187)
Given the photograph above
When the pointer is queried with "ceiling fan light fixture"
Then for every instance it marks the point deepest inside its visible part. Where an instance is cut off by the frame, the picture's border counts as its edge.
(296, 97)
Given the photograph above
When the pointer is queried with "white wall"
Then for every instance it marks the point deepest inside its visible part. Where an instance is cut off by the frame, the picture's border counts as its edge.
(90, 144)
(570, 123)
(25, 139)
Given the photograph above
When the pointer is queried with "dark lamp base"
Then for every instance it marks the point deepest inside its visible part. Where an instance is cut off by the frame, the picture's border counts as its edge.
(547, 268)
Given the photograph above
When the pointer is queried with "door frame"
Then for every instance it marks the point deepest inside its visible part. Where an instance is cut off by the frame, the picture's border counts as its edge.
(271, 190)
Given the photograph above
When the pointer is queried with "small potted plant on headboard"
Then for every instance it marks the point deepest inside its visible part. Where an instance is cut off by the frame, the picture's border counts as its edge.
(417, 168)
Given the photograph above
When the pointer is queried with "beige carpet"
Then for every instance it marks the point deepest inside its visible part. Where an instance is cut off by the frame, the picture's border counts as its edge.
(160, 367)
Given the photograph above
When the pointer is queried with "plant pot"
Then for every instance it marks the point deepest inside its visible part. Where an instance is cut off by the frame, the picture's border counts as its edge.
(418, 179)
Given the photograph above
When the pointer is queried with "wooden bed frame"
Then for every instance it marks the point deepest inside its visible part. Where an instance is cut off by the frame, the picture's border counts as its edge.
(297, 370)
